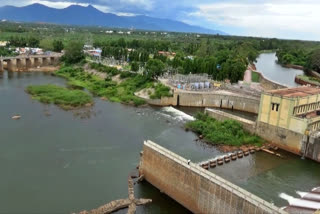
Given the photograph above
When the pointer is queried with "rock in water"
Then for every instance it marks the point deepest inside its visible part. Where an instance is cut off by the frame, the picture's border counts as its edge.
(16, 117)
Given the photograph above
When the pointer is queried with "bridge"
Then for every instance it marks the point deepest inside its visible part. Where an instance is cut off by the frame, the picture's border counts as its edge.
(197, 189)
(24, 62)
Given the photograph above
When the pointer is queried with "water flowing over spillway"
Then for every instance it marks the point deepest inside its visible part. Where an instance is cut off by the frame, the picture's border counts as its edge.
(177, 114)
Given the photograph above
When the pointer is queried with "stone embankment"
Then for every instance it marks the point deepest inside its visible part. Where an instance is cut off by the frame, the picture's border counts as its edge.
(301, 81)
(268, 84)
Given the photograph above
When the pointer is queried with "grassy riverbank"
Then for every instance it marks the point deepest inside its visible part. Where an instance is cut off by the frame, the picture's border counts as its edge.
(308, 79)
(63, 97)
(228, 132)
(114, 91)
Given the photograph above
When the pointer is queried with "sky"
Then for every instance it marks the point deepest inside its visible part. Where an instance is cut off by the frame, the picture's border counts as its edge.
(290, 19)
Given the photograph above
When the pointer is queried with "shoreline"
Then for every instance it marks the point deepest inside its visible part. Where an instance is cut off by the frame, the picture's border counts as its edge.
(44, 69)
(298, 67)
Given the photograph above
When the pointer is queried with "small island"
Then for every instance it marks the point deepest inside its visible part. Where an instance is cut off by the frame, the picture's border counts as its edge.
(63, 97)
(228, 132)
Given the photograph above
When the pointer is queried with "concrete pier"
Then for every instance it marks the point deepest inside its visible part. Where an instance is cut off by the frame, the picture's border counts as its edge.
(195, 188)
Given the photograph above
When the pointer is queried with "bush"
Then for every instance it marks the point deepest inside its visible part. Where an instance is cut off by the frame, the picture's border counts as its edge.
(105, 69)
(61, 96)
(126, 74)
(161, 91)
(123, 92)
(228, 132)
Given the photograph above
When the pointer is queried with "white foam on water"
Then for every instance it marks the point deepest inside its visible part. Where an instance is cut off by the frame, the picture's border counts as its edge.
(309, 195)
(300, 202)
(317, 188)
(177, 114)
(302, 194)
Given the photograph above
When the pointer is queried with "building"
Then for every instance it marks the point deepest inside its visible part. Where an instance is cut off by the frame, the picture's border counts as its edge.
(288, 117)
(296, 109)
(94, 52)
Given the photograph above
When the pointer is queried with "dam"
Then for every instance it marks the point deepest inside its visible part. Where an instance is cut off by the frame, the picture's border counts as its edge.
(197, 189)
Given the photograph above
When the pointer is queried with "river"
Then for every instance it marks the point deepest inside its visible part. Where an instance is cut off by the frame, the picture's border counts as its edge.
(268, 66)
(56, 161)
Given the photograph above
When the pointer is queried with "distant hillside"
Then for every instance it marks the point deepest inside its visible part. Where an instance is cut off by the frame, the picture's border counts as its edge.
(78, 15)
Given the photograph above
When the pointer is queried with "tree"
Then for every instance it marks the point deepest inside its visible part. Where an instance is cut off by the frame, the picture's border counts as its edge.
(154, 68)
(122, 43)
(33, 42)
(134, 66)
(313, 61)
(73, 52)
(57, 45)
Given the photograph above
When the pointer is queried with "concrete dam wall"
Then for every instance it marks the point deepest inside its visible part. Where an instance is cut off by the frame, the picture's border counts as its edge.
(215, 100)
(195, 188)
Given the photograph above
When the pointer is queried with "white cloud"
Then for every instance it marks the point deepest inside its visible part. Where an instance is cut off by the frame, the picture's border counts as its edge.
(146, 4)
(268, 18)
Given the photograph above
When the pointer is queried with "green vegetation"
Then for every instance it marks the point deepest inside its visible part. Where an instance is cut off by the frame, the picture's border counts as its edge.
(4, 51)
(154, 68)
(57, 45)
(122, 92)
(222, 57)
(160, 90)
(27, 41)
(228, 132)
(134, 66)
(63, 97)
(313, 61)
(292, 56)
(104, 69)
(255, 77)
(309, 79)
(73, 52)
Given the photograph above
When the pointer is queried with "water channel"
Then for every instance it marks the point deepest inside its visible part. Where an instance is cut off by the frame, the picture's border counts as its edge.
(56, 161)
(268, 66)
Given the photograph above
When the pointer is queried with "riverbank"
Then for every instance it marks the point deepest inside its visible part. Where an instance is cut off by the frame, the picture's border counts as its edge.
(116, 86)
(307, 80)
(44, 69)
(273, 72)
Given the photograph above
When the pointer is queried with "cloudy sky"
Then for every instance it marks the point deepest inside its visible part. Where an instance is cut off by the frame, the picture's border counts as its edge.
(293, 19)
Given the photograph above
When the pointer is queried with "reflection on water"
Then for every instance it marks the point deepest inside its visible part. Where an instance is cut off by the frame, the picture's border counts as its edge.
(268, 66)
(70, 163)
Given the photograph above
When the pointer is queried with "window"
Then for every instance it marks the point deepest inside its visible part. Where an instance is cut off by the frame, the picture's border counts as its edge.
(275, 106)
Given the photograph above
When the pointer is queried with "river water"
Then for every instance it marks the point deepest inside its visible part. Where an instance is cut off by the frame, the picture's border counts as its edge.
(268, 66)
(56, 161)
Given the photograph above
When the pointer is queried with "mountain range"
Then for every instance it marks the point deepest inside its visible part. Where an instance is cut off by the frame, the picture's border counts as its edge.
(90, 16)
